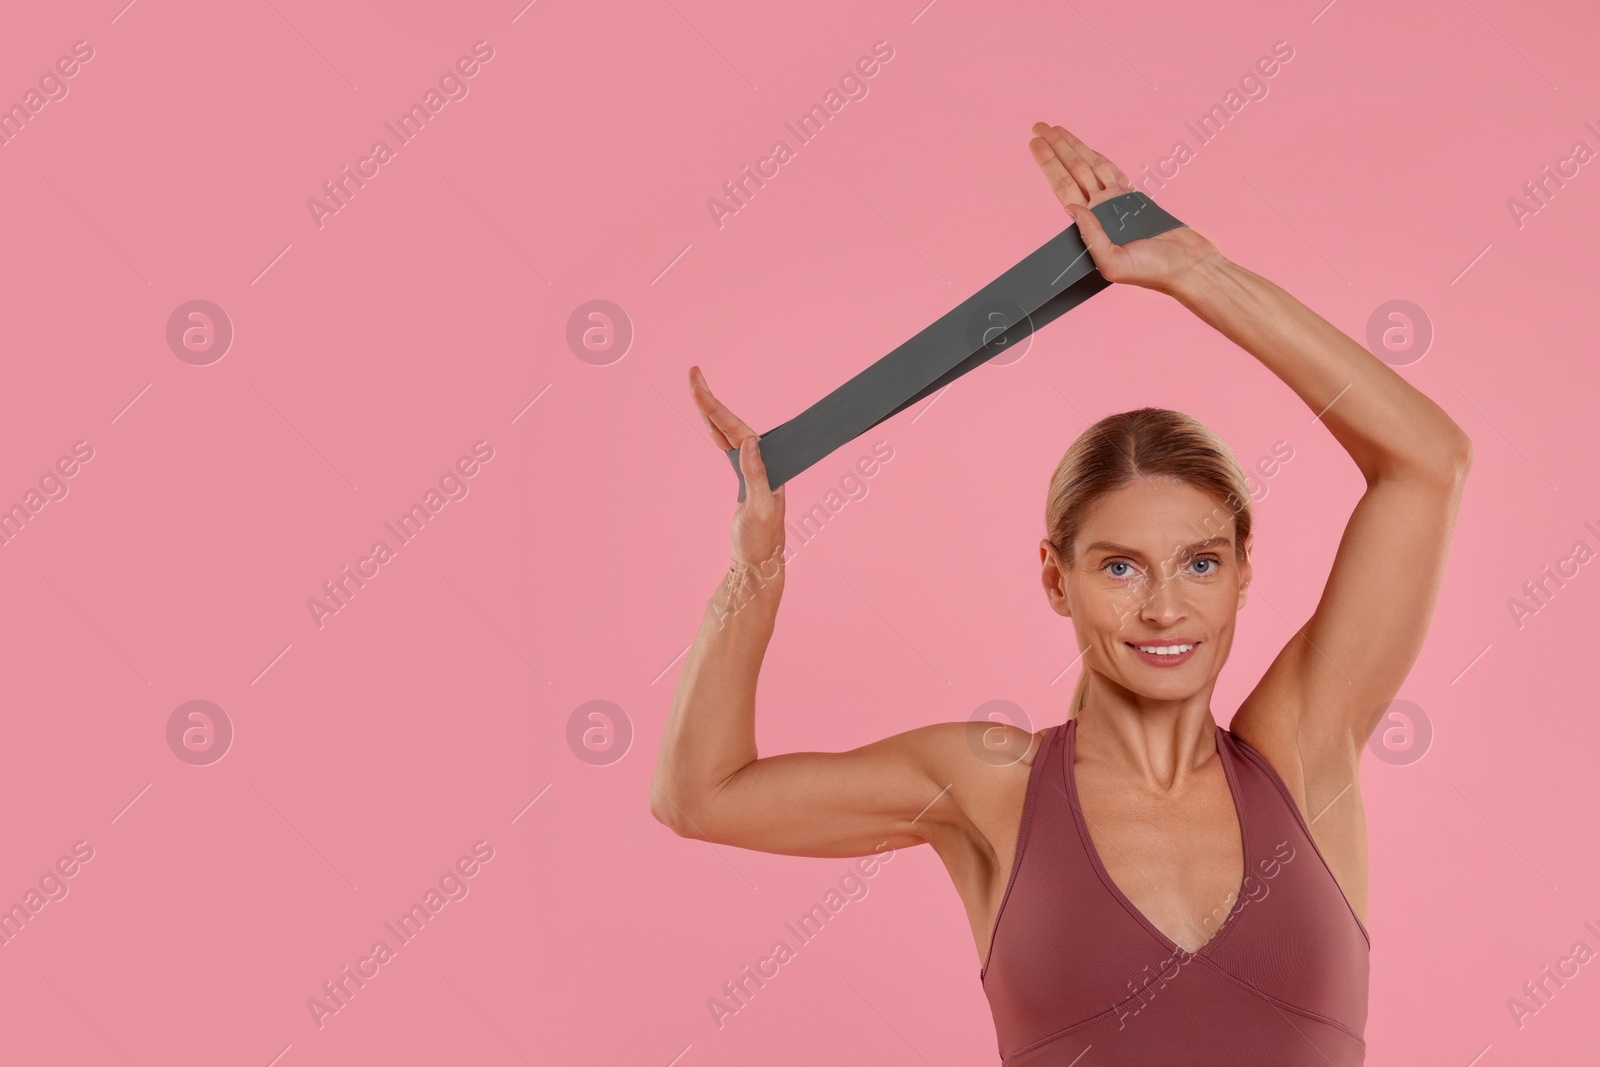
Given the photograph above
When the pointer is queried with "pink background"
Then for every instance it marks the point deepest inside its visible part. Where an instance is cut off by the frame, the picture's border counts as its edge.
(370, 353)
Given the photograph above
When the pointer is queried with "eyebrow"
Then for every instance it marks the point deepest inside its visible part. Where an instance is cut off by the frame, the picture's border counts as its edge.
(1108, 546)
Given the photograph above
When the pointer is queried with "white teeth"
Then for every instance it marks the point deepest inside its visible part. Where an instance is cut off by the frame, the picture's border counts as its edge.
(1164, 650)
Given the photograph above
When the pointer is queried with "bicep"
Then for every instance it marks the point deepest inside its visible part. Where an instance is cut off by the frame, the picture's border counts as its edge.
(880, 796)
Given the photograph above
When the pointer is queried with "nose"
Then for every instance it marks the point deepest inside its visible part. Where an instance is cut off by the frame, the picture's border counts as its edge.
(1162, 601)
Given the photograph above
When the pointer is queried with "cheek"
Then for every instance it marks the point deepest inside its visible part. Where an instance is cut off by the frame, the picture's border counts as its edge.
(1216, 605)
(1107, 608)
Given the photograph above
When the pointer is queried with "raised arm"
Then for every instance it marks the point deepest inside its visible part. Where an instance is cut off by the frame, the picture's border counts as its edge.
(1323, 695)
(710, 782)
(1317, 705)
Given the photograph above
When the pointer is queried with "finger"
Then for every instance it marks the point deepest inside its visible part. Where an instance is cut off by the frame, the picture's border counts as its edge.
(1064, 185)
(702, 402)
(757, 493)
(1103, 170)
(1074, 161)
(726, 428)
(1110, 175)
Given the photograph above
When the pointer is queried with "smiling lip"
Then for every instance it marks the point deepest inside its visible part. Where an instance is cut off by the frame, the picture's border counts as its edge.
(1165, 661)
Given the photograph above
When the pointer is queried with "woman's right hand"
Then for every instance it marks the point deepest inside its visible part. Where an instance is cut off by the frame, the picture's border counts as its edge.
(757, 540)
(1082, 178)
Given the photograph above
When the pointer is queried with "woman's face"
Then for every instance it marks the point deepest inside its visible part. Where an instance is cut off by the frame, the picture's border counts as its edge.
(1155, 568)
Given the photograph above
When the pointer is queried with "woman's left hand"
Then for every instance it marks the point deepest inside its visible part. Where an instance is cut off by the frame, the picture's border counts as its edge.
(1082, 178)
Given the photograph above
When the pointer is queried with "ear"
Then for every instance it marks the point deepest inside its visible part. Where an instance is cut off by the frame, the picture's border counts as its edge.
(1053, 577)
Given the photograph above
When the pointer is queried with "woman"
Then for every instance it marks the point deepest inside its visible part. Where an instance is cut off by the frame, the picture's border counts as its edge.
(1143, 885)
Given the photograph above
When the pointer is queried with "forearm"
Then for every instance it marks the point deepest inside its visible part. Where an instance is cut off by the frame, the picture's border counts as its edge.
(1388, 427)
(711, 728)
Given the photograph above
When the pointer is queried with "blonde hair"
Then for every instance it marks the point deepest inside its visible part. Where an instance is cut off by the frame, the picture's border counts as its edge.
(1147, 442)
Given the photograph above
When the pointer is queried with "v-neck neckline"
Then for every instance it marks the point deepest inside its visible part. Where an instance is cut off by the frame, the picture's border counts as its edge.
(1068, 755)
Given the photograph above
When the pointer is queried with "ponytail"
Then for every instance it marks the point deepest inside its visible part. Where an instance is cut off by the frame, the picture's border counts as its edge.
(1079, 694)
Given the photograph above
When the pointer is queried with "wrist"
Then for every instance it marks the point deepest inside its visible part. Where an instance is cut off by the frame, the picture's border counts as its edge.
(769, 571)
(1199, 278)
(747, 585)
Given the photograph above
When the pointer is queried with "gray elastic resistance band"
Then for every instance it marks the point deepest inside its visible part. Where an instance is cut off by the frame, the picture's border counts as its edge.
(1048, 283)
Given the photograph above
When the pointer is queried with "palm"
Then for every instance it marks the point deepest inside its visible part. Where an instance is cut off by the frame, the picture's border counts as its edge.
(1154, 262)
(1081, 177)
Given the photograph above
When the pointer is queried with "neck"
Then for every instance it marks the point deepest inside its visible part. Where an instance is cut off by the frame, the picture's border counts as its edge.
(1159, 743)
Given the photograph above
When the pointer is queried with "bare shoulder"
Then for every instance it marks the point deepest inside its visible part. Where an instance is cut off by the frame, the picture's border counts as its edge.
(983, 770)
(1316, 761)
(1322, 774)
(1268, 721)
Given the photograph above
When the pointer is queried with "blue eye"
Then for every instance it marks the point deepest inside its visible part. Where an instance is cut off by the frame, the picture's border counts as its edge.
(1212, 566)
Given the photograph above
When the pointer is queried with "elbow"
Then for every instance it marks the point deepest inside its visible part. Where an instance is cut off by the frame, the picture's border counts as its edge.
(1464, 456)
(1458, 459)
(1445, 463)
(670, 813)
(663, 810)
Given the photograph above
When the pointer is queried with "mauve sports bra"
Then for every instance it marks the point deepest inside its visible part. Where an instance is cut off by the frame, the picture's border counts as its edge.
(1076, 975)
